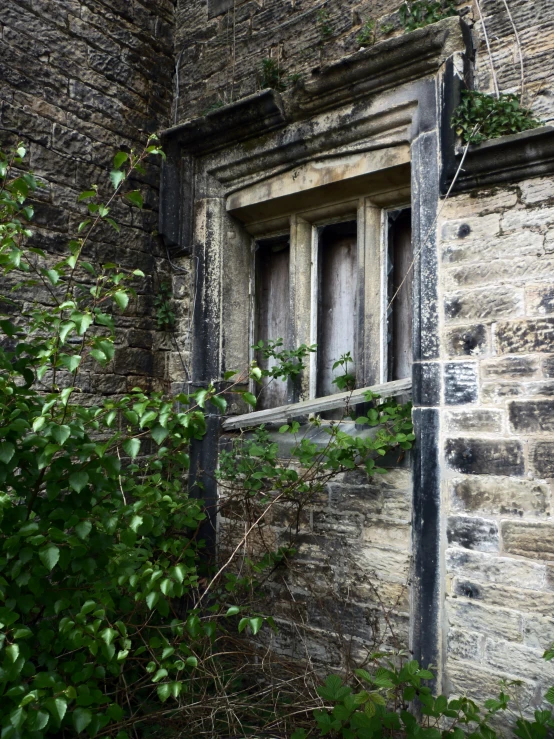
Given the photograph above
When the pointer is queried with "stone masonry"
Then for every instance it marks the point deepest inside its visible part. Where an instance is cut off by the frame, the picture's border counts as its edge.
(80, 80)
(496, 281)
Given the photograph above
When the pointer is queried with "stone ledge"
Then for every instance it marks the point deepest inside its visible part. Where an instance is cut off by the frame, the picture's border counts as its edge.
(504, 160)
(390, 63)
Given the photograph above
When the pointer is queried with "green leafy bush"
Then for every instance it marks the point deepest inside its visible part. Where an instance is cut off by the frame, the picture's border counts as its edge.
(98, 537)
(395, 699)
(480, 116)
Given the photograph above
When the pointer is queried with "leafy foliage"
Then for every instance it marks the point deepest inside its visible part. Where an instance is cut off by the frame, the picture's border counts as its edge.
(480, 117)
(367, 34)
(420, 13)
(272, 75)
(324, 26)
(165, 315)
(99, 538)
(381, 702)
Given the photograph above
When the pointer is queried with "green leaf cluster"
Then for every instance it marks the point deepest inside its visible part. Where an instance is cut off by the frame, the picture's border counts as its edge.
(421, 13)
(480, 116)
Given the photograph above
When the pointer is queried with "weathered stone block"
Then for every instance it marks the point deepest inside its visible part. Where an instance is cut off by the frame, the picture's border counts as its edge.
(537, 190)
(460, 383)
(481, 420)
(516, 367)
(542, 458)
(548, 366)
(485, 457)
(467, 340)
(534, 540)
(462, 644)
(517, 598)
(500, 270)
(387, 534)
(532, 416)
(480, 227)
(527, 218)
(525, 337)
(517, 660)
(500, 495)
(480, 305)
(473, 533)
(497, 392)
(330, 522)
(490, 568)
(476, 681)
(519, 244)
(538, 630)
(498, 622)
(539, 300)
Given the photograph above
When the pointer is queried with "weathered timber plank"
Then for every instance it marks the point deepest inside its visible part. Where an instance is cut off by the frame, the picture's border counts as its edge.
(315, 405)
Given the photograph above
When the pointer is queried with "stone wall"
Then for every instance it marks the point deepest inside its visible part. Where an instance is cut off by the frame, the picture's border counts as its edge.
(497, 273)
(80, 79)
(345, 593)
(220, 44)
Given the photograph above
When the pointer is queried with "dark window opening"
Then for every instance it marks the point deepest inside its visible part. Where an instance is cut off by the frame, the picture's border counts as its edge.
(337, 305)
(400, 281)
(272, 312)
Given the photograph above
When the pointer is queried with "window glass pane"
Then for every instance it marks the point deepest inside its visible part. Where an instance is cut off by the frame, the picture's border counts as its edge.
(272, 311)
(400, 285)
(337, 304)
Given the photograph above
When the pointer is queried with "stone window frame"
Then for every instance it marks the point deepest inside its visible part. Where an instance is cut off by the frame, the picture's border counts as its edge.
(403, 90)
(372, 185)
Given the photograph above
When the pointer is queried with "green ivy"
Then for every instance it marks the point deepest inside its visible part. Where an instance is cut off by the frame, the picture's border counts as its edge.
(480, 116)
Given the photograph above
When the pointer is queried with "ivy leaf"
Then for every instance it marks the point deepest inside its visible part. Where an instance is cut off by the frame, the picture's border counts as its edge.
(49, 556)
(7, 450)
(86, 194)
(81, 719)
(256, 624)
(135, 198)
(78, 480)
(131, 447)
(122, 299)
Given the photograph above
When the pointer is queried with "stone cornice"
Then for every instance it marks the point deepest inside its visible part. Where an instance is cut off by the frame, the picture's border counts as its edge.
(388, 64)
(505, 159)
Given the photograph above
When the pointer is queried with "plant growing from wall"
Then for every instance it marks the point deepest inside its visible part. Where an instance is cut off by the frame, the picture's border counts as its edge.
(366, 37)
(165, 315)
(271, 75)
(421, 13)
(480, 116)
(324, 26)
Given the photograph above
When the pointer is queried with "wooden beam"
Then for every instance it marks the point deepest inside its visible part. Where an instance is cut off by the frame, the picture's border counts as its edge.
(317, 405)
